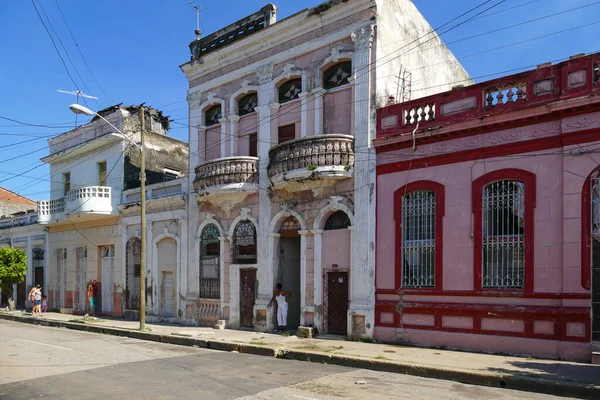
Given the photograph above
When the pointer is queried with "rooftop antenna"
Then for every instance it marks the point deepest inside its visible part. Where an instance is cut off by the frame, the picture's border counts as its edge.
(198, 31)
(78, 93)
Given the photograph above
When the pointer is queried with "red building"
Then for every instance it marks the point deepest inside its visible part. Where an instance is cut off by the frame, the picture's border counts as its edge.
(488, 215)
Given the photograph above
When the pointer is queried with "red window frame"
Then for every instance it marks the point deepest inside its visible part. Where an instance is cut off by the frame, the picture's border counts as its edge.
(440, 210)
(529, 180)
(586, 232)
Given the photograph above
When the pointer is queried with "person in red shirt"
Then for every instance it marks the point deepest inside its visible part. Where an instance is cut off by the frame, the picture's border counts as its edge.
(92, 295)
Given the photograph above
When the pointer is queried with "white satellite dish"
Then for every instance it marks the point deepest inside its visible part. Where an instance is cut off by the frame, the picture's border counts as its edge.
(77, 93)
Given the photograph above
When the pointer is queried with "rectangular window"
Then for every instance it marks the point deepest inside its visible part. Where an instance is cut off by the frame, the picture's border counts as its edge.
(67, 182)
(287, 133)
(253, 150)
(418, 239)
(503, 239)
(102, 173)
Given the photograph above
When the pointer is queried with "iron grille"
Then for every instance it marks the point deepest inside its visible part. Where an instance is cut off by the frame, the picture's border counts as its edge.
(134, 266)
(504, 234)
(290, 90)
(212, 115)
(335, 302)
(418, 239)
(244, 243)
(210, 251)
(247, 104)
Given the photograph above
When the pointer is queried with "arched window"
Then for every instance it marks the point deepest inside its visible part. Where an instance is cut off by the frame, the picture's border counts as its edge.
(337, 220)
(212, 115)
(247, 104)
(503, 237)
(337, 75)
(503, 205)
(290, 224)
(134, 267)
(418, 239)
(210, 253)
(290, 90)
(244, 243)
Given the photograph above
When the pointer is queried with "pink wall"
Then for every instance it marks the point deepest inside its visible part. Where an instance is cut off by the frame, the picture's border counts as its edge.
(337, 111)
(336, 249)
(213, 142)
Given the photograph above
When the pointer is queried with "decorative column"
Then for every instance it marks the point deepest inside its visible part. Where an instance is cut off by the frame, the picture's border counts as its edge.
(362, 276)
(223, 241)
(303, 113)
(318, 278)
(266, 92)
(303, 275)
(191, 203)
(319, 92)
(29, 274)
(151, 272)
(234, 134)
(183, 266)
(223, 121)
(273, 258)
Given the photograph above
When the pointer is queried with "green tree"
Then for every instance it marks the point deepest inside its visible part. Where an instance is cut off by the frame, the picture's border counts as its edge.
(13, 268)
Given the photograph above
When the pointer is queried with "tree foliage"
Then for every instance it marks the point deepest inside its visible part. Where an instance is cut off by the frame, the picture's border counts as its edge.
(13, 267)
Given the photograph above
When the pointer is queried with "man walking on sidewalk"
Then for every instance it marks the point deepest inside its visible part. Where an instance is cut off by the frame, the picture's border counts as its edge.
(92, 295)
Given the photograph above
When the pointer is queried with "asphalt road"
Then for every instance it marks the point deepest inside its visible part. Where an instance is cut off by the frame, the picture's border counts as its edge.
(51, 363)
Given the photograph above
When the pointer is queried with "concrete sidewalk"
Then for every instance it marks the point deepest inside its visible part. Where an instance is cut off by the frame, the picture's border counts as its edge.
(534, 375)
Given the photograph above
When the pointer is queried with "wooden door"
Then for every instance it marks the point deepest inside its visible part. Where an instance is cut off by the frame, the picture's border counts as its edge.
(21, 294)
(289, 277)
(168, 294)
(336, 301)
(247, 296)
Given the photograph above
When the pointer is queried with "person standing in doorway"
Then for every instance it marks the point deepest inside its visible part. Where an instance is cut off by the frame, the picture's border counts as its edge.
(282, 297)
(92, 295)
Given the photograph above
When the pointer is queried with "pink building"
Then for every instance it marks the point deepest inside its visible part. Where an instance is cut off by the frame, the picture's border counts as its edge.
(487, 215)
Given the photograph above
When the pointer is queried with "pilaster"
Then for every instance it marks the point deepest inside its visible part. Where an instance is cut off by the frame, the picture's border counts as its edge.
(362, 278)
(303, 113)
(318, 93)
(318, 277)
(233, 134)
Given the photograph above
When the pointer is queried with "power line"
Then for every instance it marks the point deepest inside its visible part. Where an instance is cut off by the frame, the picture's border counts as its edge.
(56, 49)
(81, 53)
(66, 52)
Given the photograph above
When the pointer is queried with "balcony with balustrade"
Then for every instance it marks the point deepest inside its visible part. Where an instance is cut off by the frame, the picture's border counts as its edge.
(487, 104)
(86, 203)
(312, 161)
(227, 175)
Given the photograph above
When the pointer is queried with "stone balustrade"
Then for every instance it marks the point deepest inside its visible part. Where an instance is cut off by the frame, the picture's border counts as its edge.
(312, 154)
(226, 171)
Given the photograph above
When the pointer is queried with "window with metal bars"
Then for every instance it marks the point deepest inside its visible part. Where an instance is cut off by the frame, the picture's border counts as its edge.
(418, 239)
(244, 243)
(210, 252)
(503, 234)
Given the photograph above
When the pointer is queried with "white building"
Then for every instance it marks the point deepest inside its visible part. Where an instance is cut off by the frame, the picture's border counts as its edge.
(91, 167)
(282, 115)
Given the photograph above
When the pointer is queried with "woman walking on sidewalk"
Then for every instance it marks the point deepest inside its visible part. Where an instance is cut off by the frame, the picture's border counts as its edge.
(35, 295)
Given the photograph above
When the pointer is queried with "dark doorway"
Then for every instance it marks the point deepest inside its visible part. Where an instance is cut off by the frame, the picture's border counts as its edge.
(247, 297)
(596, 290)
(335, 308)
(288, 275)
(21, 294)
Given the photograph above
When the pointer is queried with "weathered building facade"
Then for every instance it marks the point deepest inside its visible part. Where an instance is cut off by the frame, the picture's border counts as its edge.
(282, 115)
(487, 215)
(21, 230)
(92, 169)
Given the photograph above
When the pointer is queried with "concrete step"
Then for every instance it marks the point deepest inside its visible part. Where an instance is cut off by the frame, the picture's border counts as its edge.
(596, 357)
(304, 332)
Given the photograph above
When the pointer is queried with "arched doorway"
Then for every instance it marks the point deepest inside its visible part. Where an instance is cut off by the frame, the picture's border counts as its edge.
(132, 277)
(336, 267)
(289, 269)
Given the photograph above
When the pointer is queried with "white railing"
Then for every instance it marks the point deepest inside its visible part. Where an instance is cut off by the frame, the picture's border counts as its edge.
(85, 199)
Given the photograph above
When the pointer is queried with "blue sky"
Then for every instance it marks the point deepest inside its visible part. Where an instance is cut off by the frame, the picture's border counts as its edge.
(134, 49)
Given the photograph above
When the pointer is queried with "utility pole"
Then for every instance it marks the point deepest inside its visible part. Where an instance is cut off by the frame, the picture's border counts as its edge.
(143, 222)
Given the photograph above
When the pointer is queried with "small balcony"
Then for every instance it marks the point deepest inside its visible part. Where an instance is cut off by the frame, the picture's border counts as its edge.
(313, 161)
(87, 203)
(226, 175)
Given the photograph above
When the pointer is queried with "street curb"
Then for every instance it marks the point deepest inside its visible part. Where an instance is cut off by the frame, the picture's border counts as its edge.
(490, 379)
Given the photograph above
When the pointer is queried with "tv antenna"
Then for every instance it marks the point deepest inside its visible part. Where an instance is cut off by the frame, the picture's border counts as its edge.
(78, 93)
(198, 30)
